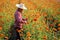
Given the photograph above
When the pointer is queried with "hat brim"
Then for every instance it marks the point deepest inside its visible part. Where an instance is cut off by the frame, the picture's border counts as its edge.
(18, 5)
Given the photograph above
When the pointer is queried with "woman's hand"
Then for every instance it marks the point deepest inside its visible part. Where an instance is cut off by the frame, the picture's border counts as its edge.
(24, 20)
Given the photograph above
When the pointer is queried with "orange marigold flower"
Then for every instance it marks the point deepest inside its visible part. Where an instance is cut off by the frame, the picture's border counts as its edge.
(58, 13)
(58, 24)
(59, 28)
(2, 35)
(1, 16)
(28, 38)
(38, 14)
(55, 21)
(51, 18)
(51, 25)
(54, 29)
(44, 37)
(35, 19)
(19, 30)
(2, 22)
(27, 23)
(28, 34)
(47, 29)
(44, 14)
(0, 28)
(1, 9)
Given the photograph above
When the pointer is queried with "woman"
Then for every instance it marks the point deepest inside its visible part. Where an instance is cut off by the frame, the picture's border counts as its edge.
(18, 15)
(19, 21)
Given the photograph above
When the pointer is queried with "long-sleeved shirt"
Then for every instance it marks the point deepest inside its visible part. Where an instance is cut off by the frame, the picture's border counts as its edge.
(18, 16)
(19, 21)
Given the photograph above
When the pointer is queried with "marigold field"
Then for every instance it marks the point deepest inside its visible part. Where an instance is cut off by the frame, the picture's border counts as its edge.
(43, 19)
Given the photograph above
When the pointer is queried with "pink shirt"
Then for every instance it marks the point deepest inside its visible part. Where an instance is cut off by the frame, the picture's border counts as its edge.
(18, 19)
(18, 16)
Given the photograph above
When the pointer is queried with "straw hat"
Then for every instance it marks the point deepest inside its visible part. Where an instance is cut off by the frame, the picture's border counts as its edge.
(21, 5)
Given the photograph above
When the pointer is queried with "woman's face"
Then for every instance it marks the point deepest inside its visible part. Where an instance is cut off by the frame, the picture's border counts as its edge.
(20, 9)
